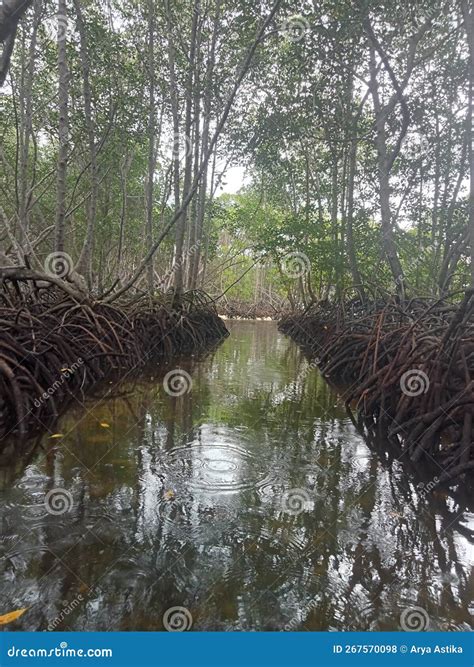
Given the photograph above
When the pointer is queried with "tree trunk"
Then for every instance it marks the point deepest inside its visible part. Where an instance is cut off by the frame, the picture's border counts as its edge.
(150, 186)
(63, 128)
(468, 15)
(188, 173)
(11, 11)
(383, 172)
(26, 128)
(201, 207)
(84, 264)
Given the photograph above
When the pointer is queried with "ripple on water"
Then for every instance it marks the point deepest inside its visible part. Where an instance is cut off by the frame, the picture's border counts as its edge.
(216, 464)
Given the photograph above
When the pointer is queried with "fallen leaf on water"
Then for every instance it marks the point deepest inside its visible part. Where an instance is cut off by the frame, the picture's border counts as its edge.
(57, 435)
(105, 425)
(12, 616)
(169, 495)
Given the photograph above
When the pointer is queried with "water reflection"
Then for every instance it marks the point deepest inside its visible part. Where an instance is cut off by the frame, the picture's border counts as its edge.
(182, 501)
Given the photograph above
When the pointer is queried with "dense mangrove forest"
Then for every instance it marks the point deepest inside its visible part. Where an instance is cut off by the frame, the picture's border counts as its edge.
(236, 315)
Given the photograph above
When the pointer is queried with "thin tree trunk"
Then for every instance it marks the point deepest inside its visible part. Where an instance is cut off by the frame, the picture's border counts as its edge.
(26, 126)
(124, 171)
(63, 128)
(149, 194)
(467, 7)
(193, 231)
(188, 173)
(84, 264)
(174, 110)
(11, 11)
(383, 171)
(201, 208)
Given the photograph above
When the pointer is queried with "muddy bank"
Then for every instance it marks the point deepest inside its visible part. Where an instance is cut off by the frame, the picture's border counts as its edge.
(54, 349)
(407, 367)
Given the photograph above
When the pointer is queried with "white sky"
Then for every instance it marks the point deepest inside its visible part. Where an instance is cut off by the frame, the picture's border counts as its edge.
(234, 179)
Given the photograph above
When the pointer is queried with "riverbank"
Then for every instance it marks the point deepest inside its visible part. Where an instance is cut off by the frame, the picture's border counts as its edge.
(54, 349)
(406, 367)
(236, 309)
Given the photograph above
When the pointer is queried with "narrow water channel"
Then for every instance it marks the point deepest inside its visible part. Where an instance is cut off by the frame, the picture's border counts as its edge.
(251, 501)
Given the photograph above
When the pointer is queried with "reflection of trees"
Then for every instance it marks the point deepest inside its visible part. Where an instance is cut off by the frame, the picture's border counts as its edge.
(144, 537)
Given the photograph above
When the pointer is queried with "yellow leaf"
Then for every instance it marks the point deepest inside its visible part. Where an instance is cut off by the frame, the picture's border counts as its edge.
(57, 435)
(169, 495)
(12, 616)
(104, 425)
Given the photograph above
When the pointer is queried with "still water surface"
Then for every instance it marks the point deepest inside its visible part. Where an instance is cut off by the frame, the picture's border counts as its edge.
(252, 501)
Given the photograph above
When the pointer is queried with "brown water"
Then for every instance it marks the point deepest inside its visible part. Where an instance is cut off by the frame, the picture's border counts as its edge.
(252, 501)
